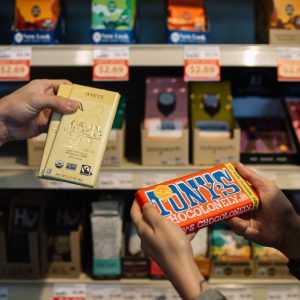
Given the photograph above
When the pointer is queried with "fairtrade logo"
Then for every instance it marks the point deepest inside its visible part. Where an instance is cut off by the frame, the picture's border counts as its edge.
(59, 164)
(163, 192)
(85, 170)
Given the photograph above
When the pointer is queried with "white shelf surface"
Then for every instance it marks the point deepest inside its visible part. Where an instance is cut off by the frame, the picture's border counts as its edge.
(153, 55)
(133, 175)
(43, 289)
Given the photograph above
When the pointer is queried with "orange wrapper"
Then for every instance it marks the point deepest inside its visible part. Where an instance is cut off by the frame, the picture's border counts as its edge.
(201, 199)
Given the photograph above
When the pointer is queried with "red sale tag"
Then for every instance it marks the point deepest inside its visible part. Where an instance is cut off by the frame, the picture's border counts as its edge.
(111, 63)
(15, 63)
(288, 64)
(201, 63)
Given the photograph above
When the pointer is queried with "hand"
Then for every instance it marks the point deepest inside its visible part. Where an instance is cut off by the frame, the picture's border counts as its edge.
(168, 245)
(25, 113)
(275, 223)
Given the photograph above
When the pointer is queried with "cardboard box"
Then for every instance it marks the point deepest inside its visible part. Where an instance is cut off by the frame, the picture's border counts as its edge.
(165, 151)
(204, 265)
(61, 269)
(35, 149)
(212, 151)
(20, 270)
(115, 148)
(232, 269)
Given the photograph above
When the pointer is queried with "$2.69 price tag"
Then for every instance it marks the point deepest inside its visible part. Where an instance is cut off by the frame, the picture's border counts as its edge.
(288, 64)
(111, 63)
(15, 63)
(201, 63)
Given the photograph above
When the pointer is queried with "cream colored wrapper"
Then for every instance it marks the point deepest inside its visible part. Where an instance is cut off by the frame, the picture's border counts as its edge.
(81, 139)
(63, 91)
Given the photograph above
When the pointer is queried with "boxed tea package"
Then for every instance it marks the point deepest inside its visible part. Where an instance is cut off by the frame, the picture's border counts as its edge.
(212, 121)
(285, 22)
(37, 22)
(61, 239)
(165, 132)
(106, 220)
(76, 142)
(19, 258)
(112, 21)
(187, 22)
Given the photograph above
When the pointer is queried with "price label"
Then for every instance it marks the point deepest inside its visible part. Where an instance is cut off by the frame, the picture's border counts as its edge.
(69, 292)
(201, 63)
(3, 293)
(111, 63)
(15, 63)
(154, 178)
(99, 292)
(288, 64)
(237, 294)
(122, 180)
(283, 293)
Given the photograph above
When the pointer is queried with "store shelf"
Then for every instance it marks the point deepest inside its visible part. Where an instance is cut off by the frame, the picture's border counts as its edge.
(153, 55)
(42, 290)
(132, 175)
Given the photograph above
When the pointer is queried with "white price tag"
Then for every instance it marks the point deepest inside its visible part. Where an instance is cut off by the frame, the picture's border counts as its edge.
(111, 63)
(283, 293)
(154, 178)
(69, 292)
(98, 292)
(237, 294)
(3, 293)
(15, 63)
(288, 64)
(201, 63)
(119, 180)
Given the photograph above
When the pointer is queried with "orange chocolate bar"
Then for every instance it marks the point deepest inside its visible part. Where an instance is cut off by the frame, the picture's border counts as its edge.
(203, 198)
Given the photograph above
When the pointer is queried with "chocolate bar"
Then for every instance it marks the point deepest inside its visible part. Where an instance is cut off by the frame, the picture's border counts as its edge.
(201, 199)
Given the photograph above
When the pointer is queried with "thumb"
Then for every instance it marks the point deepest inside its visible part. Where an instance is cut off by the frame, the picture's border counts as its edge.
(57, 103)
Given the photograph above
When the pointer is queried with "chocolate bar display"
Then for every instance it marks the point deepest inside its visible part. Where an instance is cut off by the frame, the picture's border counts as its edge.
(166, 103)
(293, 107)
(201, 199)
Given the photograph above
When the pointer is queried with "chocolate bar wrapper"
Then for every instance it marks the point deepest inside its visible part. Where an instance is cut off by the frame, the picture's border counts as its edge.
(81, 138)
(203, 198)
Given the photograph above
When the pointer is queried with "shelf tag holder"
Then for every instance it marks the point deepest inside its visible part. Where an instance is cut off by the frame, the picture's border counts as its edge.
(202, 63)
(288, 64)
(283, 293)
(111, 63)
(69, 292)
(15, 63)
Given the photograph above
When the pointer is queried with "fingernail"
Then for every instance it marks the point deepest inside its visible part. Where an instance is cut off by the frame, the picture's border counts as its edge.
(72, 105)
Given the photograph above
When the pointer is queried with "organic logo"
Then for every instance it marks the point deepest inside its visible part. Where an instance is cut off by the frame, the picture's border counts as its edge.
(59, 164)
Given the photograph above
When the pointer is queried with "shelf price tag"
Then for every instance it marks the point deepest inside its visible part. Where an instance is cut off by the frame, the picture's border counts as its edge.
(15, 63)
(201, 63)
(69, 292)
(283, 293)
(237, 294)
(111, 63)
(288, 64)
(122, 180)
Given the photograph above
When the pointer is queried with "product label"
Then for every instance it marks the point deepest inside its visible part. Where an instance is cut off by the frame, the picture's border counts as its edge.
(201, 199)
(288, 64)
(107, 266)
(201, 63)
(15, 63)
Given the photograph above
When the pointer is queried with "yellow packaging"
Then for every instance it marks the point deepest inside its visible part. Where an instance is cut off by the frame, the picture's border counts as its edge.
(81, 138)
(63, 91)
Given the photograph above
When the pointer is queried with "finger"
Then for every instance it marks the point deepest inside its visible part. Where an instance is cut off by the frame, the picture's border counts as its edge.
(142, 228)
(238, 225)
(57, 103)
(191, 236)
(151, 215)
(255, 179)
(135, 213)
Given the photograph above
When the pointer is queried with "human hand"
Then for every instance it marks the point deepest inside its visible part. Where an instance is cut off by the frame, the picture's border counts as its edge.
(25, 113)
(275, 223)
(170, 247)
